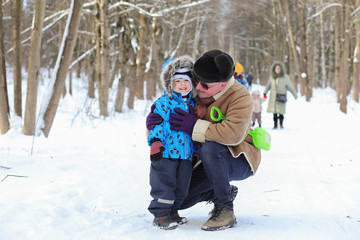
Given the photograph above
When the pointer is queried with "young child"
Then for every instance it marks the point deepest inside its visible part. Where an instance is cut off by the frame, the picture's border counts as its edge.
(171, 151)
(257, 101)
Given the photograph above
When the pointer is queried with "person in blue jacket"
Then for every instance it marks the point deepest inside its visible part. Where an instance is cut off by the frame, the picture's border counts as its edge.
(171, 152)
(239, 75)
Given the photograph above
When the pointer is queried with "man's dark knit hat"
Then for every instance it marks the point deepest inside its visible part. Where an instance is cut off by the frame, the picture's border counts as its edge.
(214, 66)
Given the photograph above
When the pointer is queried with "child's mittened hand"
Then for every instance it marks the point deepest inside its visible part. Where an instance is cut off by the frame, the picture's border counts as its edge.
(265, 96)
(156, 150)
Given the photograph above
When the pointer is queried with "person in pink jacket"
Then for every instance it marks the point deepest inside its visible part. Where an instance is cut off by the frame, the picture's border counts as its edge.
(257, 101)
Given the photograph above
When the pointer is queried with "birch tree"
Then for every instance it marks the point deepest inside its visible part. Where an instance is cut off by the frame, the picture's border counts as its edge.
(33, 68)
(62, 63)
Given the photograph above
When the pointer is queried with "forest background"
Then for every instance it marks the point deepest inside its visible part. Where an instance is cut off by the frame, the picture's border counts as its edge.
(125, 42)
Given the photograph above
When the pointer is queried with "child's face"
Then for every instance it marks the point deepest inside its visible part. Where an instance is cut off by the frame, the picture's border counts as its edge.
(182, 85)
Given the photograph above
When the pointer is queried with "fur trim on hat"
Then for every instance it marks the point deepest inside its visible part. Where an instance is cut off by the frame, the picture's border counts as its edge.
(168, 72)
(214, 66)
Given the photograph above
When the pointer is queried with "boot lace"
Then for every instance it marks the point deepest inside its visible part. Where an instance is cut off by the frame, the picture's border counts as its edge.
(216, 212)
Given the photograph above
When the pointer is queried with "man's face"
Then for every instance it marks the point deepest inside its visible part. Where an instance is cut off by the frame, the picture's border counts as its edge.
(206, 90)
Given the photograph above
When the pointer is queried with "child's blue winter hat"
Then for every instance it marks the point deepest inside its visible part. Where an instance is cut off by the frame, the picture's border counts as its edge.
(183, 73)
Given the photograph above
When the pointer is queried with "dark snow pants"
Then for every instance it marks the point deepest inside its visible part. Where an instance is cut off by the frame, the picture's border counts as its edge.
(169, 181)
(210, 180)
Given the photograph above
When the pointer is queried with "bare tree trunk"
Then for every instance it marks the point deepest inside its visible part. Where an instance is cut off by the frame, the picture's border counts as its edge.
(139, 78)
(70, 80)
(120, 94)
(17, 20)
(34, 68)
(119, 101)
(91, 76)
(63, 62)
(292, 43)
(114, 71)
(102, 50)
(91, 66)
(304, 54)
(322, 41)
(130, 76)
(331, 72)
(182, 35)
(78, 53)
(152, 79)
(344, 66)
(198, 27)
(311, 43)
(337, 35)
(4, 106)
(356, 63)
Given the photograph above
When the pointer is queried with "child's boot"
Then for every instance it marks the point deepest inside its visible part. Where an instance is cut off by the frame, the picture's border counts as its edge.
(165, 222)
(180, 220)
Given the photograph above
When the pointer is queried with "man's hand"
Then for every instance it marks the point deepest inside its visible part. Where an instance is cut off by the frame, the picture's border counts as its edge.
(183, 121)
(153, 119)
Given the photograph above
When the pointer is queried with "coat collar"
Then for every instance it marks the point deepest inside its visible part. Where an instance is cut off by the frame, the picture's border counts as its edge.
(229, 84)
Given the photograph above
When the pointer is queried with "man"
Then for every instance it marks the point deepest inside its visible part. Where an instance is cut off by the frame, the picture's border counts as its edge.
(227, 152)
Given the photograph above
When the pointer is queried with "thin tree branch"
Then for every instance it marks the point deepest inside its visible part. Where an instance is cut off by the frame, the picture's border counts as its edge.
(10, 175)
(160, 13)
(322, 10)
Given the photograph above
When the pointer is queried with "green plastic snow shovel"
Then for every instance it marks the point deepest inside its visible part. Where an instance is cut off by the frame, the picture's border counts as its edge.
(261, 138)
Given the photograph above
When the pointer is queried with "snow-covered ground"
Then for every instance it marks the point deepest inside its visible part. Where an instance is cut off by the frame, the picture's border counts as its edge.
(89, 179)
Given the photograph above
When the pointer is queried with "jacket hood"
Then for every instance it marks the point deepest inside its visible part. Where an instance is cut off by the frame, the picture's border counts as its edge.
(256, 92)
(273, 73)
(169, 70)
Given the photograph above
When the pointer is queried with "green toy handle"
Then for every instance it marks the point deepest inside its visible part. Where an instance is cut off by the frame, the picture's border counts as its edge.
(220, 115)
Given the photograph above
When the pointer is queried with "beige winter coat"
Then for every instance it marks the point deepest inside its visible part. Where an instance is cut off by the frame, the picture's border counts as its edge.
(235, 103)
(278, 85)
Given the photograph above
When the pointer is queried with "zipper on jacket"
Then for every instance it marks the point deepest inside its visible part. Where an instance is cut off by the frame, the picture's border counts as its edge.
(186, 108)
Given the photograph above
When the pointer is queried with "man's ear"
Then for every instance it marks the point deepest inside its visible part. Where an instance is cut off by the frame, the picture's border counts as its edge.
(223, 86)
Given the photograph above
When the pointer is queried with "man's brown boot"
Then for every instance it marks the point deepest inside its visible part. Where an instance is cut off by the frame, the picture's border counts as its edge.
(221, 219)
